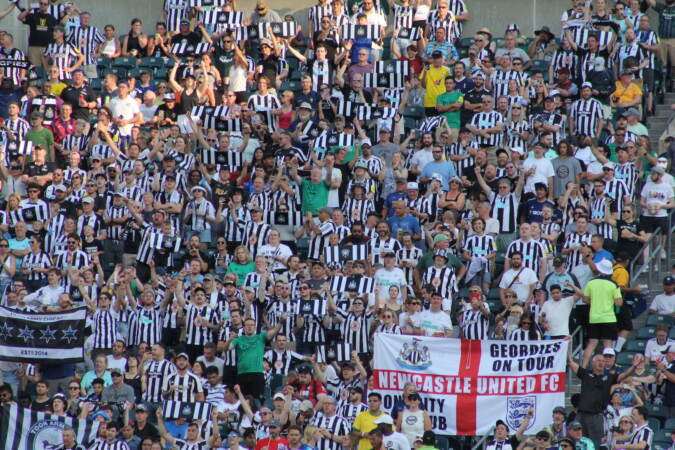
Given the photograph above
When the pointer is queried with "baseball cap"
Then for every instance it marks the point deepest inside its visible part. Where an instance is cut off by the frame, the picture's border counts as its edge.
(669, 280)
(358, 389)
(558, 261)
(274, 423)
(429, 438)
(440, 238)
(182, 355)
(560, 410)
(574, 426)
(306, 405)
(412, 186)
(141, 407)
(587, 84)
(384, 418)
(279, 395)
(87, 200)
(609, 351)
(608, 165)
(632, 112)
(267, 42)
(305, 105)
(61, 188)
(436, 54)
(116, 372)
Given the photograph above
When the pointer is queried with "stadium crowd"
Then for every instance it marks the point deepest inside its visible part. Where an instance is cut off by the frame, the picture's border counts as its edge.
(241, 203)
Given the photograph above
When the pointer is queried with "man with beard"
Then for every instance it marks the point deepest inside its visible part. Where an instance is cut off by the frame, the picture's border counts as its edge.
(473, 100)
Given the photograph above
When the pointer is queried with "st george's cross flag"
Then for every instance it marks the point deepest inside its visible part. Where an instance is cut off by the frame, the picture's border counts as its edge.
(466, 385)
(25, 429)
(45, 337)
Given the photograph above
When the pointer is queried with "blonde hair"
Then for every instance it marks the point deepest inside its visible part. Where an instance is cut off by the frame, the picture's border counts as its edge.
(247, 255)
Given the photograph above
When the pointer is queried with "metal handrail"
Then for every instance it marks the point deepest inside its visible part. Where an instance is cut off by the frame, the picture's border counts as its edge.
(481, 443)
(635, 274)
(573, 350)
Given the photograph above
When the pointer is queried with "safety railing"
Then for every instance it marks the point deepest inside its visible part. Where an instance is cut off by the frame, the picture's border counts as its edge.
(480, 445)
(575, 350)
(653, 254)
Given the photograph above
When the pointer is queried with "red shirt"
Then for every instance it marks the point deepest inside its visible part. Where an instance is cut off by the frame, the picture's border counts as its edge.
(309, 391)
(269, 444)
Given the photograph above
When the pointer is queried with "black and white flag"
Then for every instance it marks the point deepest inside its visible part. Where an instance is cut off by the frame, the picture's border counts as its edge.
(207, 3)
(293, 218)
(210, 111)
(329, 140)
(280, 29)
(347, 108)
(215, 17)
(185, 48)
(409, 33)
(354, 253)
(27, 214)
(25, 429)
(321, 353)
(160, 241)
(383, 80)
(368, 112)
(233, 159)
(358, 284)
(430, 124)
(191, 411)
(46, 337)
(343, 352)
(351, 31)
(392, 66)
(313, 307)
(23, 148)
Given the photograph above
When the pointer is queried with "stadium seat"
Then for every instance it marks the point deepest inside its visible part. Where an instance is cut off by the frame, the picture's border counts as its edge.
(540, 65)
(415, 112)
(136, 73)
(96, 84)
(442, 443)
(655, 319)
(635, 346)
(655, 423)
(125, 61)
(161, 73)
(466, 42)
(670, 424)
(290, 85)
(493, 294)
(645, 333)
(152, 61)
(103, 62)
(672, 333)
(658, 411)
(625, 358)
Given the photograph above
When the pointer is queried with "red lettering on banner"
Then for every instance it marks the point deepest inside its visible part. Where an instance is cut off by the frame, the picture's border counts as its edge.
(394, 380)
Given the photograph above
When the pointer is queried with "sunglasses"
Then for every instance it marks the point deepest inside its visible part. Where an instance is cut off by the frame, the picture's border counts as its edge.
(415, 303)
(4, 245)
(626, 211)
(304, 288)
(228, 41)
(509, 296)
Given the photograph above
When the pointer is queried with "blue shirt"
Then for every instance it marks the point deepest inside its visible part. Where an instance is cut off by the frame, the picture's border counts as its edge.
(391, 198)
(447, 48)
(360, 43)
(602, 254)
(408, 223)
(534, 209)
(177, 431)
(445, 169)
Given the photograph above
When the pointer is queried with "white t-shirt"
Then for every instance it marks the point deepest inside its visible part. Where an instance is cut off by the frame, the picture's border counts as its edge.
(218, 363)
(269, 251)
(663, 304)
(421, 158)
(333, 194)
(542, 170)
(557, 315)
(656, 193)
(114, 363)
(653, 349)
(127, 108)
(523, 281)
(434, 323)
(585, 155)
(385, 278)
(396, 441)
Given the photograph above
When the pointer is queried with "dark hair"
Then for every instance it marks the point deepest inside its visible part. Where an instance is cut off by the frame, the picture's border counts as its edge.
(211, 370)
(516, 253)
(643, 411)
(375, 394)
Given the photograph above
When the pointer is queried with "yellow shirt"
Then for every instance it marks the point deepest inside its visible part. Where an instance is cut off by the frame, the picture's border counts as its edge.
(435, 84)
(626, 94)
(364, 423)
(57, 88)
(620, 276)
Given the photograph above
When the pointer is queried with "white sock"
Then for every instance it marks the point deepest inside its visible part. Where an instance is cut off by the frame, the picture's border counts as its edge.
(619, 343)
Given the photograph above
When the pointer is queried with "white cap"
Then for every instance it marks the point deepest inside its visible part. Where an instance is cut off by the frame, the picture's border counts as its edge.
(605, 267)
(384, 418)
(608, 350)
(412, 185)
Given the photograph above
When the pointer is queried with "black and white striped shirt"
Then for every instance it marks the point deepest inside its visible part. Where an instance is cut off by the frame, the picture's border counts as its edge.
(597, 211)
(616, 189)
(336, 425)
(145, 325)
(573, 239)
(322, 73)
(513, 131)
(504, 208)
(63, 56)
(629, 175)
(105, 328)
(320, 241)
(36, 261)
(475, 324)
(229, 356)
(349, 411)
(187, 387)
(412, 255)
(196, 317)
(378, 247)
(265, 104)
(356, 329)
(261, 232)
(13, 73)
(480, 245)
(531, 250)
(234, 231)
(156, 372)
(643, 434)
(281, 361)
(86, 39)
(485, 120)
(115, 231)
(78, 260)
(444, 279)
(500, 81)
(585, 115)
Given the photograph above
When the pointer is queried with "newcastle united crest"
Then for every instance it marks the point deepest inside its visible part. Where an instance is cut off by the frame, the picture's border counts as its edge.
(413, 357)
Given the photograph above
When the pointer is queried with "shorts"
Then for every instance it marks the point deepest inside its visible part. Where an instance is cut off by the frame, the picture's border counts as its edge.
(624, 319)
(650, 224)
(603, 331)
(648, 80)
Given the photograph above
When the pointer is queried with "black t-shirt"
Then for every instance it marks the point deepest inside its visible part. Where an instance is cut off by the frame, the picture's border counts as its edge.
(41, 406)
(595, 390)
(92, 247)
(191, 38)
(473, 96)
(71, 95)
(41, 26)
(68, 209)
(167, 113)
(269, 67)
(38, 171)
(148, 431)
(630, 245)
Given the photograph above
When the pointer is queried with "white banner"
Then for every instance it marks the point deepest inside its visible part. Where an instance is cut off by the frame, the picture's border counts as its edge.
(467, 385)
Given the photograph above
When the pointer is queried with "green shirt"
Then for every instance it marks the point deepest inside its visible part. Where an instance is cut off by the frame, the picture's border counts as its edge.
(314, 196)
(250, 350)
(427, 260)
(241, 270)
(602, 292)
(450, 98)
(45, 139)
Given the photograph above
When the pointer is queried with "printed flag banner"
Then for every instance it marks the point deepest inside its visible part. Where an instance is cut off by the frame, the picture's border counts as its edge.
(25, 429)
(466, 385)
(47, 337)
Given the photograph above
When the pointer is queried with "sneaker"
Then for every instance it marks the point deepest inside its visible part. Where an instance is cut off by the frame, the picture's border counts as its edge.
(663, 254)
